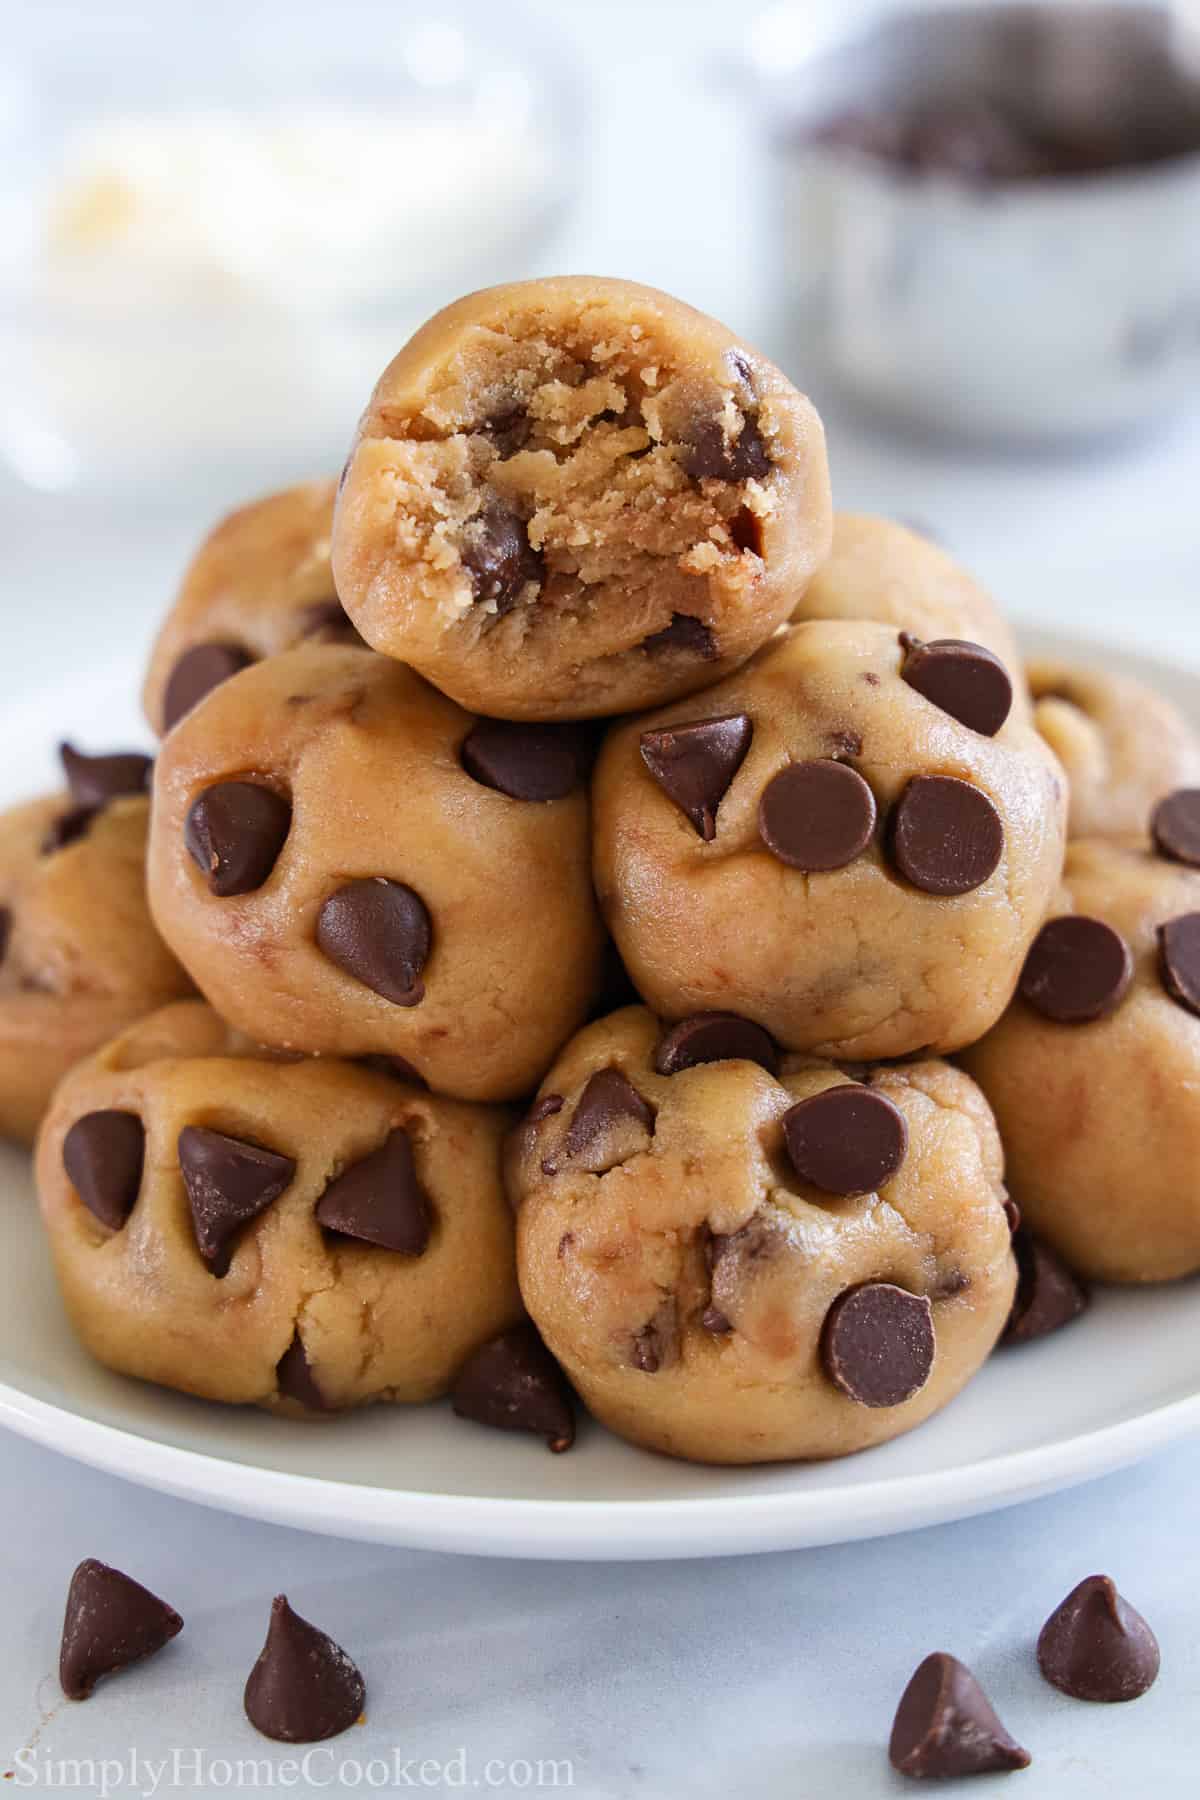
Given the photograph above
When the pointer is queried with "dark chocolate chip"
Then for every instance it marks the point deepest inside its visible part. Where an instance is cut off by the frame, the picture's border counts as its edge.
(509, 431)
(611, 1123)
(328, 621)
(689, 635)
(198, 671)
(1048, 1295)
(1012, 1214)
(714, 1037)
(746, 530)
(1077, 969)
(844, 743)
(709, 456)
(103, 1154)
(714, 1321)
(498, 557)
(545, 1108)
(95, 780)
(304, 1687)
(1095, 1646)
(694, 764)
(229, 1182)
(963, 679)
(379, 1200)
(514, 1384)
(68, 828)
(110, 1622)
(816, 815)
(945, 1726)
(234, 833)
(877, 1343)
(295, 1379)
(1175, 826)
(379, 932)
(946, 836)
(846, 1140)
(1179, 959)
(526, 762)
(5, 931)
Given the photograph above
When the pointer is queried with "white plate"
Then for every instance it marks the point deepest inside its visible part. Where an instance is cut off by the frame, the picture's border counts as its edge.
(1113, 1387)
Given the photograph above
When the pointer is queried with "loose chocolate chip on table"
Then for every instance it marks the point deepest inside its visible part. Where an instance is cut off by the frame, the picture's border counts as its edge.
(198, 671)
(234, 834)
(816, 815)
(1175, 826)
(945, 1726)
(304, 1687)
(95, 780)
(847, 1140)
(1095, 1646)
(1048, 1295)
(498, 557)
(609, 1123)
(68, 828)
(1179, 959)
(379, 1200)
(295, 1378)
(714, 1037)
(229, 1182)
(514, 1384)
(963, 679)
(708, 455)
(684, 633)
(877, 1343)
(694, 764)
(1078, 969)
(945, 836)
(110, 1622)
(327, 619)
(526, 762)
(103, 1154)
(379, 932)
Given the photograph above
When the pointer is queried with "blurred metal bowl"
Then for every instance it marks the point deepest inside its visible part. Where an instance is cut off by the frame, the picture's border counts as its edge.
(1032, 308)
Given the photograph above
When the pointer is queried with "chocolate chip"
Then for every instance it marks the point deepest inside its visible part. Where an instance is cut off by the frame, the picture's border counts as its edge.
(847, 1140)
(1095, 1646)
(656, 1345)
(1077, 970)
(198, 671)
(234, 834)
(379, 932)
(111, 1621)
(1175, 826)
(514, 1384)
(95, 780)
(877, 1343)
(963, 679)
(946, 836)
(690, 636)
(1012, 1216)
(509, 431)
(713, 1320)
(945, 1726)
(229, 1181)
(6, 920)
(497, 555)
(526, 762)
(103, 1154)
(328, 621)
(1179, 959)
(709, 456)
(1048, 1295)
(304, 1687)
(611, 1123)
(68, 828)
(379, 1200)
(295, 1379)
(816, 815)
(694, 764)
(545, 1108)
(714, 1037)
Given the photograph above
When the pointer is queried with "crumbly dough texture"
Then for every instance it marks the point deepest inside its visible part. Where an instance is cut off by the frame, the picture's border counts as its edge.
(622, 459)
(368, 755)
(854, 962)
(1123, 745)
(80, 959)
(604, 1256)
(260, 582)
(1100, 1121)
(374, 1324)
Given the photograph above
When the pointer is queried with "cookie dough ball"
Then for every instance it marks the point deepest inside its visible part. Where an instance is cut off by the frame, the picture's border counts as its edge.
(260, 583)
(301, 1235)
(574, 497)
(1122, 744)
(79, 956)
(349, 864)
(742, 1260)
(1094, 1070)
(848, 842)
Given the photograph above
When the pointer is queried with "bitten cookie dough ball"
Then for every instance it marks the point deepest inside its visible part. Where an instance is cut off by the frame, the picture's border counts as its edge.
(1122, 744)
(302, 1235)
(574, 497)
(349, 864)
(742, 1260)
(851, 842)
(260, 583)
(79, 956)
(1094, 1071)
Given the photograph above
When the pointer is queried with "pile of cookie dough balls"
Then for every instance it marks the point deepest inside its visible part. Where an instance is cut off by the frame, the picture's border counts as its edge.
(596, 927)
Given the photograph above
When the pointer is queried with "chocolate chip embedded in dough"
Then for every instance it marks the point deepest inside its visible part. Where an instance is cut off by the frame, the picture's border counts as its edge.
(1175, 826)
(1179, 959)
(1048, 1295)
(229, 1181)
(708, 455)
(686, 634)
(816, 815)
(514, 1384)
(295, 1378)
(95, 780)
(235, 832)
(694, 764)
(714, 1037)
(962, 679)
(526, 762)
(380, 1201)
(68, 828)
(1077, 970)
(198, 671)
(498, 557)
(304, 1687)
(103, 1154)
(1095, 1646)
(878, 1344)
(846, 1140)
(111, 1621)
(945, 835)
(946, 1726)
(611, 1123)
(379, 932)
